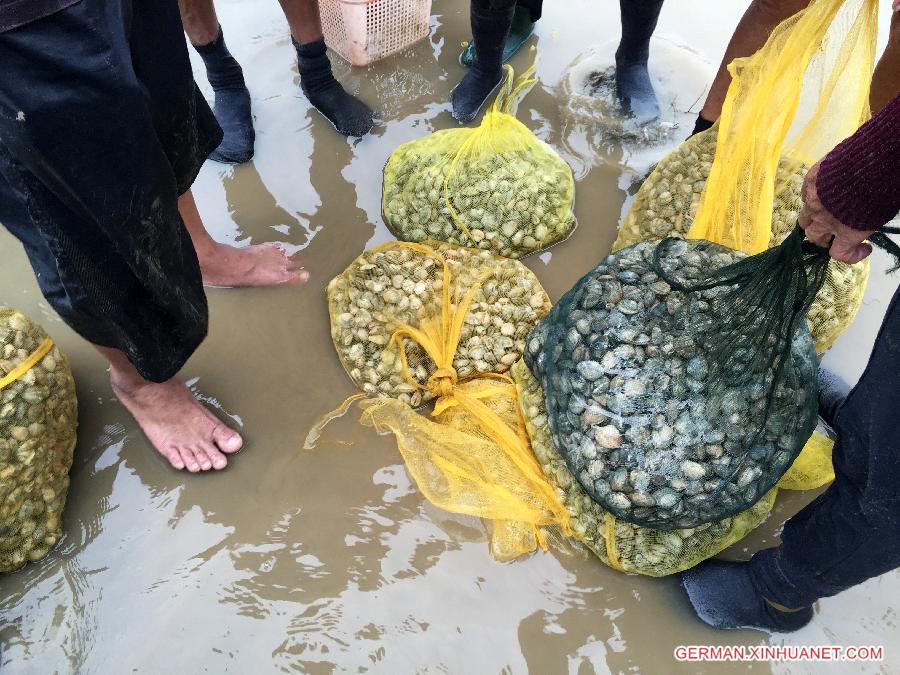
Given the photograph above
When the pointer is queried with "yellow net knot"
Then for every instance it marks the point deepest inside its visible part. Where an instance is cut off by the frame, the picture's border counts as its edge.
(443, 381)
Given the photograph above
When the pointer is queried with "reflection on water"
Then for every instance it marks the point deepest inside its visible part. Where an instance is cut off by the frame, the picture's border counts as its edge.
(331, 561)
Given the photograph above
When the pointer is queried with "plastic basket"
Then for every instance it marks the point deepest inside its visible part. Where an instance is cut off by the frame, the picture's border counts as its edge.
(364, 31)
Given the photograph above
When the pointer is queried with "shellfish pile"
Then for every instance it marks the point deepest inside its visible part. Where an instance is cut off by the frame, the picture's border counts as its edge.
(636, 549)
(513, 203)
(668, 200)
(38, 418)
(396, 285)
(655, 432)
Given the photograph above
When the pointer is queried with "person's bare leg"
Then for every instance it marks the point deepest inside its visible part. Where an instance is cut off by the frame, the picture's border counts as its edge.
(303, 18)
(224, 265)
(886, 78)
(347, 114)
(178, 426)
(751, 33)
(199, 20)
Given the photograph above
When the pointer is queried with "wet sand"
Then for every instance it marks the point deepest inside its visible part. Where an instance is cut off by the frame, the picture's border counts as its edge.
(331, 561)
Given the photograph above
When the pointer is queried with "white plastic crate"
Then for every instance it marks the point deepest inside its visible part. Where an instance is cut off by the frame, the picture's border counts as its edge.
(363, 31)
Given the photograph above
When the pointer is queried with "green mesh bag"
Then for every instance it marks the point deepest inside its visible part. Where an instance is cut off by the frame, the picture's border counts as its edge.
(621, 545)
(681, 377)
(38, 419)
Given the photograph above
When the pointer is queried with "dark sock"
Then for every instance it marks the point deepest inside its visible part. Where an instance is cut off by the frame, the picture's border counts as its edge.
(724, 596)
(348, 114)
(832, 392)
(490, 29)
(701, 125)
(232, 102)
(633, 86)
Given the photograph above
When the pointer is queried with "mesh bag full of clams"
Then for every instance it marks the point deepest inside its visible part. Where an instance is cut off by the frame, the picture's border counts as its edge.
(739, 184)
(680, 377)
(38, 418)
(642, 550)
(415, 323)
(496, 187)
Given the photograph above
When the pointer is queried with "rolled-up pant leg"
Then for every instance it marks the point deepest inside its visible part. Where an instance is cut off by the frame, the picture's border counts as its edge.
(851, 533)
(101, 129)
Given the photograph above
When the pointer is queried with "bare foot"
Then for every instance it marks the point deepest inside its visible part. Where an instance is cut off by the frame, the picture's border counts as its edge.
(180, 428)
(257, 265)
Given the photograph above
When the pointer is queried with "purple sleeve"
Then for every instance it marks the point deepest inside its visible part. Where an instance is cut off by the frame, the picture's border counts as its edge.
(859, 181)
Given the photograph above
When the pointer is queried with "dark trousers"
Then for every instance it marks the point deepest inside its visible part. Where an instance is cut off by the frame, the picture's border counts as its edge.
(533, 6)
(852, 531)
(101, 129)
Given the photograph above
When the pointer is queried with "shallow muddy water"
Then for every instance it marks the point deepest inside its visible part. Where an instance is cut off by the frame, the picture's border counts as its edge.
(331, 561)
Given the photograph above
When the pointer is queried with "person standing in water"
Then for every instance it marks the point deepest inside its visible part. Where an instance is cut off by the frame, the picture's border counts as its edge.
(501, 27)
(102, 133)
(347, 114)
(850, 532)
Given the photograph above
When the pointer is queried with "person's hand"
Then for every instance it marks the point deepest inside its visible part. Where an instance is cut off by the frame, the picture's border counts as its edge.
(823, 229)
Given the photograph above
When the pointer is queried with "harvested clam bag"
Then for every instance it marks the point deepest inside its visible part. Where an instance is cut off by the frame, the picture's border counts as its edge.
(668, 200)
(642, 550)
(620, 544)
(415, 323)
(38, 418)
(680, 377)
(496, 187)
(403, 316)
(739, 184)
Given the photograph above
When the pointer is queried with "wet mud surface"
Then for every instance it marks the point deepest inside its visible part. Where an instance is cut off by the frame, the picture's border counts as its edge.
(331, 561)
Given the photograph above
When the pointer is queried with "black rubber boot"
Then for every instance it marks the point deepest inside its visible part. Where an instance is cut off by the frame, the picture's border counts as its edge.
(490, 30)
(701, 125)
(723, 595)
(633, 86)
(232, 102)
(832, 392)
(347, 114)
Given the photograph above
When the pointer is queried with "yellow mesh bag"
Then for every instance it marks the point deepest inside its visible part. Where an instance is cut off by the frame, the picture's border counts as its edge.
(38, 419)
(668, 200)
(476, 459)
(414, 323)
(739, 183)
(496, 186)
(630, 548)
(801, 94)
(409, 295)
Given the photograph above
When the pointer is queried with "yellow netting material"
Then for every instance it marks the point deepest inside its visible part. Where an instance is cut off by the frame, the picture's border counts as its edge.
(38, 419)
(475, 457)
(739, 184)
(496, 186)
(641, 550)
(802, 93)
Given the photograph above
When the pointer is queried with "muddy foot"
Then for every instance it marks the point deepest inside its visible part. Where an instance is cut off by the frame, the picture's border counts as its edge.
(181, 430)
(258, 265)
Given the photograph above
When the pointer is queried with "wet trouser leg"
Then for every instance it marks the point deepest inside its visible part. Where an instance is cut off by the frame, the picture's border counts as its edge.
(101, 128)
(851, 533)
(535, 7)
